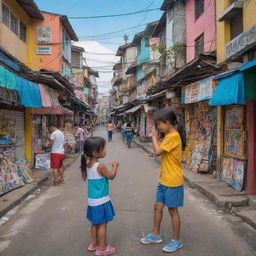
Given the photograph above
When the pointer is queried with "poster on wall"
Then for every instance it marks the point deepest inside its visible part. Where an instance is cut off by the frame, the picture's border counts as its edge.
(233, 172)
(234, 118)
(234, 132)
(234, 143)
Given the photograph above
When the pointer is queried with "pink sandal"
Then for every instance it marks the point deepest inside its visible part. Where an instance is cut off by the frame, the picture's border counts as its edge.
(109, 251)
(92, 248)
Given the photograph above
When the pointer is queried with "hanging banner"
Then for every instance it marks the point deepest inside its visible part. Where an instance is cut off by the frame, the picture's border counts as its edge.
(198, 91)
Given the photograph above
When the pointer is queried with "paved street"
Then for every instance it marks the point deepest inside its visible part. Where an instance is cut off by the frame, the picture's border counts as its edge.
(52, 221)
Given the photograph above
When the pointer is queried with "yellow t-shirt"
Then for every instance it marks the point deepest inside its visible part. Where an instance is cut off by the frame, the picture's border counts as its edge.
(171, 170)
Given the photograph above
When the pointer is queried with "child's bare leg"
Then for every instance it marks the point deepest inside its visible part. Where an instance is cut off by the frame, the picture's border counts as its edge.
(158, 215)
(101, 235)
(175, 216)
(94, 240)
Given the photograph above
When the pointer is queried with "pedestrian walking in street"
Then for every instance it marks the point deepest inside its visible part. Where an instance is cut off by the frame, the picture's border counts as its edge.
(129, 132)
(100, 210)
(56, 141)
(110, 129)
(80, 136)
(170, 190)
(123, 131)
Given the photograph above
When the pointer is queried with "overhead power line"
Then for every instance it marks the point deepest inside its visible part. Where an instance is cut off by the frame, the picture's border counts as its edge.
(112, 15)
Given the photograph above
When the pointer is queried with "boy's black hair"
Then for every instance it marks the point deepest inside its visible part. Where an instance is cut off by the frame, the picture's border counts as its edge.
(92, 144)
(167, 115)
(52, 125)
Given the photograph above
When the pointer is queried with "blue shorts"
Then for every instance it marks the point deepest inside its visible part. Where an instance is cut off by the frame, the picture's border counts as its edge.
(172, 197)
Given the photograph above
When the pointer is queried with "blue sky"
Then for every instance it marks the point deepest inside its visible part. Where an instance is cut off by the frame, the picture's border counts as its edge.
(87, 28)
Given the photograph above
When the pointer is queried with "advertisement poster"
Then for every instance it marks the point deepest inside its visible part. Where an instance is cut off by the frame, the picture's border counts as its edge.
(234, 118)
(234, 143)
(233, 172)
(205, 89)
(194, 92)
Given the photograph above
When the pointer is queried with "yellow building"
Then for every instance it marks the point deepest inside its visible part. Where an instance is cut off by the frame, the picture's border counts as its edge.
(15, 29)
(16, 38)
(233, 18)
(235, 95)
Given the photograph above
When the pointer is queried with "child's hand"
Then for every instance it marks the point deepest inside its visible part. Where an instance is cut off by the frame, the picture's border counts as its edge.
(154, 134)
(115, 164)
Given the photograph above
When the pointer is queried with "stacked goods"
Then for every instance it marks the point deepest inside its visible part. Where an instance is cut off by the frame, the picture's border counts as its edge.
(9, 177)
(24, 171)
(13, 174)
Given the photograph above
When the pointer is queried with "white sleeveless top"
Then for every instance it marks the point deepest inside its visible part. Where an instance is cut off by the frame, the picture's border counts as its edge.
(98, 187)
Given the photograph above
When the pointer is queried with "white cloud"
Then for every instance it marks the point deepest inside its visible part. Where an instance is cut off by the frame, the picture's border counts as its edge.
(97, 57)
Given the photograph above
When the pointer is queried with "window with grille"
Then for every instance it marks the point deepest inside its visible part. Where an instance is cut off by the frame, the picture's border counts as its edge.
(14, 24)
(6, 15)
(23, 31)
(199, 45)
(199, 8)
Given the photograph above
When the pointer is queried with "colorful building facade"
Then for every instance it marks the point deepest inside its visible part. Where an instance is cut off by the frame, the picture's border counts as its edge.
(200, 27)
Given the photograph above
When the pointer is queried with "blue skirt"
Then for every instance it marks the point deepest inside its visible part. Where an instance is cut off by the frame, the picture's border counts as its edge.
(100, 214)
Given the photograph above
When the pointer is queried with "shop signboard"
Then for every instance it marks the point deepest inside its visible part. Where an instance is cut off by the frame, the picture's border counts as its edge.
(43, 50)
(188, 94)
(194, 92)
(205, 89)
(233, 172)
(77, 77)
(198, 91)
(241, 42)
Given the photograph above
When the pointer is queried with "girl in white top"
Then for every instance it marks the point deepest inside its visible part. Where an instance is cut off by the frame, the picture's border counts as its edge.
(100, 209)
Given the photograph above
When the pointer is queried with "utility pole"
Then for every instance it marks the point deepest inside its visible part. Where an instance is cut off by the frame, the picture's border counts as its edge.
(126, 37)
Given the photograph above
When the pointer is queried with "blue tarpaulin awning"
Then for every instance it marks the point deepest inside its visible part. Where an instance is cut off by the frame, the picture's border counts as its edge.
(29, 93)
(250, 66)
(230, 90)
(7, 79)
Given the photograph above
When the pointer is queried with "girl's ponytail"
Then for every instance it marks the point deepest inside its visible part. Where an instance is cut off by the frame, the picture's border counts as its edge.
(84, 166)
(181, 130)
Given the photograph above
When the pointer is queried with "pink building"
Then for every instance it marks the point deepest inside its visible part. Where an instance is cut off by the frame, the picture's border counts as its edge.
(200, 27)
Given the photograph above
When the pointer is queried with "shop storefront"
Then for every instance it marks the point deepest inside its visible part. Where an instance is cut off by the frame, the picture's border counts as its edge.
(15, 94)
(201, 126)
(232, 123)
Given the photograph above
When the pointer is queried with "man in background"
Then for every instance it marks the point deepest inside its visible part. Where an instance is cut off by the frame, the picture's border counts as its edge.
(56, 141)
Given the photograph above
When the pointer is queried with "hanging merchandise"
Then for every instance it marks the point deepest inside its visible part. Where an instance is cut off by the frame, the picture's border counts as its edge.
(12, 132)
(202, 138)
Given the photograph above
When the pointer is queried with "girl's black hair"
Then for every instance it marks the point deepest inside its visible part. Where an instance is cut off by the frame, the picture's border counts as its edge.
(92, 144)
(167, 115)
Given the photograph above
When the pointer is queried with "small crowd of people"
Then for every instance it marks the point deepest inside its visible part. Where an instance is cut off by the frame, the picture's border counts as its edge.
(127, 131)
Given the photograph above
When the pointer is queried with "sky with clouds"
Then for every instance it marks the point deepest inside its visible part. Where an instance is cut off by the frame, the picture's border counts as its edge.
(102, 37)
